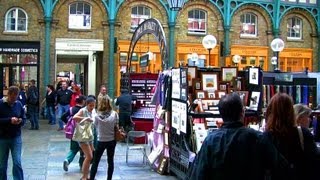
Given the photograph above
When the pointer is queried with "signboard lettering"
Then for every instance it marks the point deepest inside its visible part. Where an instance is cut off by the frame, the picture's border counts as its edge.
(18, 50)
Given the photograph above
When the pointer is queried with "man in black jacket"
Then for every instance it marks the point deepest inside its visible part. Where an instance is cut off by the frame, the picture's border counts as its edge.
(33, 105)
(125, 109)
(63, 100)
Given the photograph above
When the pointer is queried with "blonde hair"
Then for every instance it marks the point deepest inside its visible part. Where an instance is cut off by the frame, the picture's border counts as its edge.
(104, 104)
(301, 111)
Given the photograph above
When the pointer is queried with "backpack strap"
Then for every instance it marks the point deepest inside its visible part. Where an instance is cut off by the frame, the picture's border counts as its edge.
(301, 137)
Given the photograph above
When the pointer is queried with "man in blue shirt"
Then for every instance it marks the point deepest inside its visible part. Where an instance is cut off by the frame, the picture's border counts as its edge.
(12, 118)
(234, 151)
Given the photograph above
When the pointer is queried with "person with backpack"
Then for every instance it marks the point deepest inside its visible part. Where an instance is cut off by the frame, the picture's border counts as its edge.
(74, 146)
(63, 100)
(33, 105)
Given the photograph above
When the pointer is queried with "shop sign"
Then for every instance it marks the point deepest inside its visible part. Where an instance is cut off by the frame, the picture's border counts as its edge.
(19, 50)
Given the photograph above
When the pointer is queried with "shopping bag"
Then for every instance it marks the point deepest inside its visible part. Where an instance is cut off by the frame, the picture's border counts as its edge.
(83, 132)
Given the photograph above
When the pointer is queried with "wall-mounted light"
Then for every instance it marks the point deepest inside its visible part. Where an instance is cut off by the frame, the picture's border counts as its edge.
(175, 5)
(236, 59)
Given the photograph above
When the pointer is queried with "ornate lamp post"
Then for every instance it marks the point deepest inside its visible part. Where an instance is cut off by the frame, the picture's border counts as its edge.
(277, 46)
(176, 5)
(209, 42)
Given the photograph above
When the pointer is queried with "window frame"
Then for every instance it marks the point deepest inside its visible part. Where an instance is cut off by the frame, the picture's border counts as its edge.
(242, 34)
(292, 28)
(199, 20)
(76, 16)
(138, 16)
(16, 18)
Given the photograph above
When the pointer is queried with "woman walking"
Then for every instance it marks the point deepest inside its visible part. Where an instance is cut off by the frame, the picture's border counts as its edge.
(50, 99)
(105, 121)
(296, 144)
(86, 116)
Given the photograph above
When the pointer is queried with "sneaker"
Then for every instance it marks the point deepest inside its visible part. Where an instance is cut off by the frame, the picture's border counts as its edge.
(65, 165)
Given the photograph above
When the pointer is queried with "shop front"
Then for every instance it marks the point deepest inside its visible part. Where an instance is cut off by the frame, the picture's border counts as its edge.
(249, 56)
(295, 60)
(19, 63)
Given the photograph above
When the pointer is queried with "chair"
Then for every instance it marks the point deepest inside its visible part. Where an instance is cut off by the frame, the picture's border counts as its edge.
(138, 147)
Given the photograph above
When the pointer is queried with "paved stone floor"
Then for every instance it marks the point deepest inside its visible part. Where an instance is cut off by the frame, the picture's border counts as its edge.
(44, 151)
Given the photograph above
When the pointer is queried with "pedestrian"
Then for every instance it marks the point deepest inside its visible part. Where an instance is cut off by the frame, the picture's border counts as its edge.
(105, 121)
(33, 105)
(76, 92)
(74, 146)
(86, 116)
(295, 144)
(233, 151)
(51, 97)
(302, 113)
(63, 101)
(22, 95)
(102, 93)
(124, 101)
(12, 118)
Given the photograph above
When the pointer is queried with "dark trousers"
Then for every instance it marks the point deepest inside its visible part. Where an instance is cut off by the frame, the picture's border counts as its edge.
(34, 116)
(125, 121)
(101, 146)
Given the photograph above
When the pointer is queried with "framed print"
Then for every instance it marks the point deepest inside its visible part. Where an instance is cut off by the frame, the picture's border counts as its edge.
(176, 84)
(254, 100)
(211, 95)
(228, 73)
(192, 73)
(196, 83)
(201, 94)
(243, 96)
(254, 76)
(219, 94)
(209, 81)
(207, 103)
(224, 85)
(123, 59)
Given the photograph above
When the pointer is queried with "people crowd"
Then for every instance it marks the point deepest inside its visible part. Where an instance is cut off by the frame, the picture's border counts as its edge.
(284, 150)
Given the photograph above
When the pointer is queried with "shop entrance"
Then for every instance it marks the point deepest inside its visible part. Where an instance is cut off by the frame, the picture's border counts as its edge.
(73, 68)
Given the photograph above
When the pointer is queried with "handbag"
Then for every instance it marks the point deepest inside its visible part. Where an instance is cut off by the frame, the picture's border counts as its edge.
(119, 134)
(83, 132)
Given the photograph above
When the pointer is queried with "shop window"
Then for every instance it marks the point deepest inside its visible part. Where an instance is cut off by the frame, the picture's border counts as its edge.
(138, 15)
(248, 25)
(80, 16)
(16, 20)
(197, 21)
(294, 28)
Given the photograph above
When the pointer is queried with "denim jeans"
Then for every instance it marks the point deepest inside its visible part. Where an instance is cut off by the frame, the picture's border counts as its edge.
(61, 110)
(14, 145)
(51, 114)
(34, 116)
(101, 146)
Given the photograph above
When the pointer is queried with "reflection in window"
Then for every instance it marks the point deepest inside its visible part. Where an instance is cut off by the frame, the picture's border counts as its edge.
(16, 20)
(294, 28)
(80, 15)
(138, 15)
(197, 21)
(18, 58)
(248, 24)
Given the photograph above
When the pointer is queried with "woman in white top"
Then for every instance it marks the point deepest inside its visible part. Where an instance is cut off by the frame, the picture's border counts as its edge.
(105, 121)
(86, 115)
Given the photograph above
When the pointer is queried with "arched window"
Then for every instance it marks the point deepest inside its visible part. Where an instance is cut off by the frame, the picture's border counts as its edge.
(138, 15)
(197, 21)
(79, 15)
(294, 28)
(16, 20)
(248, 25)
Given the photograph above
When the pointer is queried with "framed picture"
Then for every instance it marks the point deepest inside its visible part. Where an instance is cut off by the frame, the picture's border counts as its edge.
(254, 100)
(224, 85)
(206, 103)
(219, 93)
(201, 94)
(254, 76)
(192, 73)
(209, 81)
(196, 83)
(243, 96)
(211, 95)
(228, 73)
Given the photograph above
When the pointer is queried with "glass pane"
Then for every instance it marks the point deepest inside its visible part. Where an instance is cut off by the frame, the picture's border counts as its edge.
(87, 9)
(80, 8)
(190, 14)
(196, 14)
(21, 14)
(147, 12)
(73, 8)
(202, 15)
(140, 10)
(134, 10)
(28, 59)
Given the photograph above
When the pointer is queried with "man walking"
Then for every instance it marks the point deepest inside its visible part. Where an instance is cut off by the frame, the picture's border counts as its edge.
(63, 100)
(125, 109)
(12, 118)
(33, 105)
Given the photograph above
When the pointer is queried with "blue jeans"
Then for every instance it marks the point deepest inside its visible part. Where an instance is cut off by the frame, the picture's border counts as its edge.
(51, 114)
(61, 110)
(15, 146)
(34, 116)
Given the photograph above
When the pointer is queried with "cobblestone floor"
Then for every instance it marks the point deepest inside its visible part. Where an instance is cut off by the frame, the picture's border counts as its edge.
(44, 151)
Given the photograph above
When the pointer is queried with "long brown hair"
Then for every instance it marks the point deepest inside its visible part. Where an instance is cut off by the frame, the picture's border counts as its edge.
(104, 105)
(280, 115)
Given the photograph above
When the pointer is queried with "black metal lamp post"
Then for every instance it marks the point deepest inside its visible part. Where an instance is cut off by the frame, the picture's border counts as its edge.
(176, 5)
